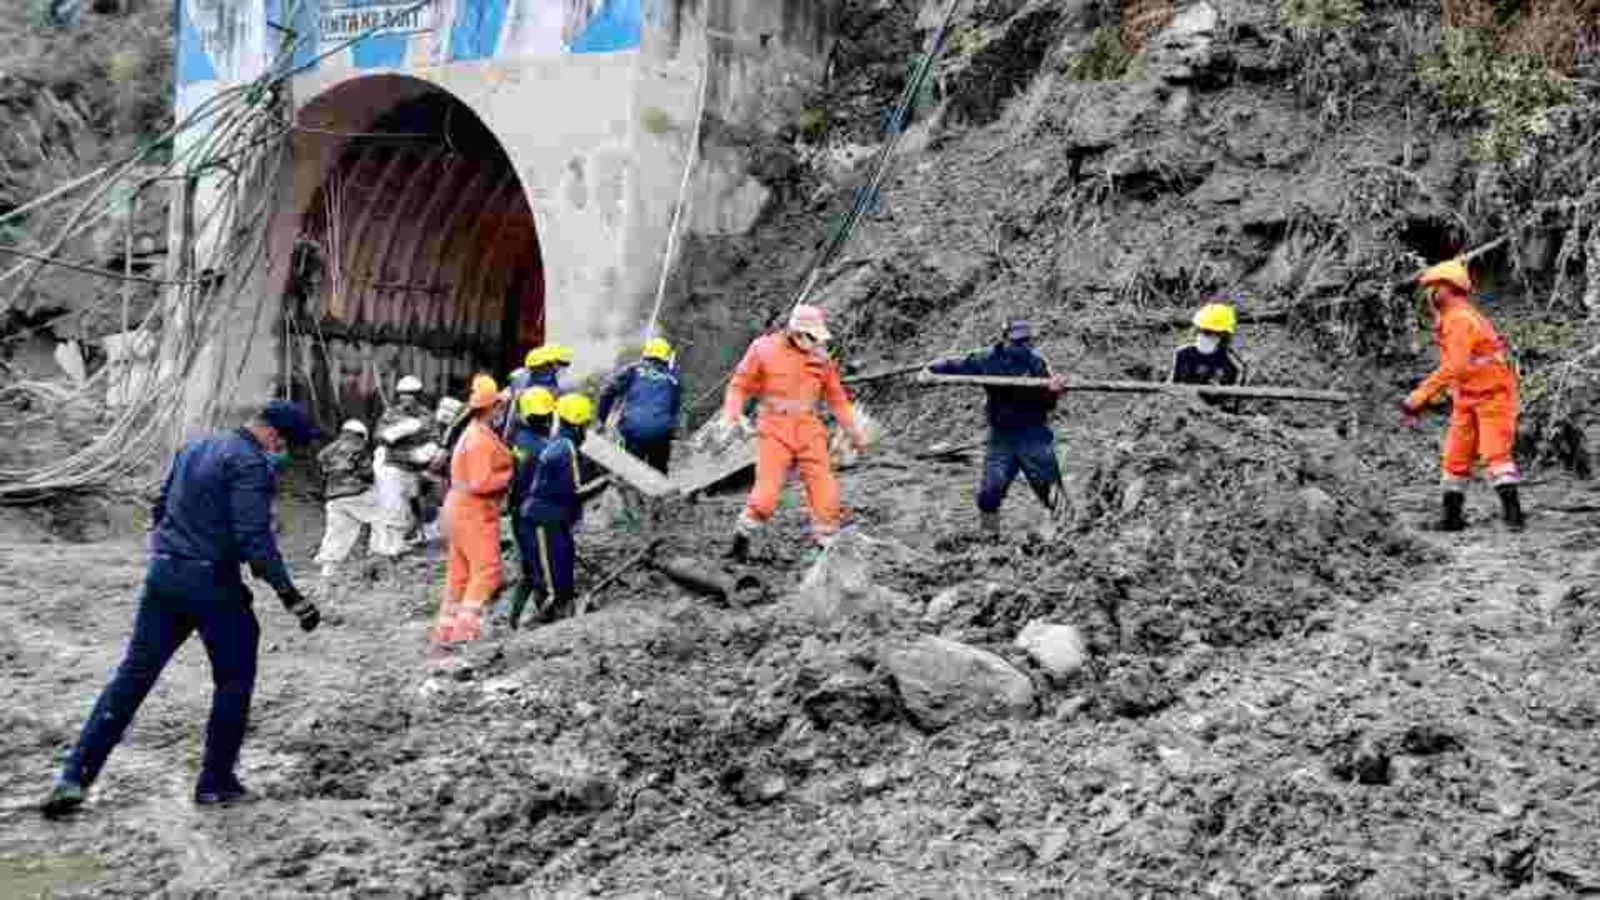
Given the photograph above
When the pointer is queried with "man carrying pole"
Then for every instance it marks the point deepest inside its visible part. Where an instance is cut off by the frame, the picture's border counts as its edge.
(1019, 430)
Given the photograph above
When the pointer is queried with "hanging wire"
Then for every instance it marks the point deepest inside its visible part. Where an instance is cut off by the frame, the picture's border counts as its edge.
(234, 161)
(683, 192)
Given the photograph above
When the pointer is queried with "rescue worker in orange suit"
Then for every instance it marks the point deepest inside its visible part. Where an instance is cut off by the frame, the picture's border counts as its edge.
(1475, 367)
(789, 373)
(480, 474)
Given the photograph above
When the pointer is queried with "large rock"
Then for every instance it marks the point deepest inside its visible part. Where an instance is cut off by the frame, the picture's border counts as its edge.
(839, 587)
(1185, 50)
(1058, 649)
(942, 681)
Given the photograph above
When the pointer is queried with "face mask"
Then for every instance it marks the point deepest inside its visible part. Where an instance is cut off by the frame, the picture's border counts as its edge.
(1207, 344)
(278, 459)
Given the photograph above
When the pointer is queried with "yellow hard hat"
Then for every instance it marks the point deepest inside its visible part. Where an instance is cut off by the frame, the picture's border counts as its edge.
(559, 353)
(575, 409)
(485, 391)
(1451, 271)
(536, 402)
(537, 357)
(1217, 317)
(657, 348)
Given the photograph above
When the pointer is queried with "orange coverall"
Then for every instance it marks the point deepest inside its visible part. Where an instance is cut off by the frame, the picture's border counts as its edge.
(789, 382)
(480, 473)
(1474, 366)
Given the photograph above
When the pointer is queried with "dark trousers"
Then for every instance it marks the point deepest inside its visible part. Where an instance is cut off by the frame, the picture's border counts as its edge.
(656, 453)
(1031, 451)
(549, 559)
(179, 598)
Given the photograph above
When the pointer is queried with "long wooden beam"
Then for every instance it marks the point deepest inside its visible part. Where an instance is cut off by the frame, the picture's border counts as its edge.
(1143, 387)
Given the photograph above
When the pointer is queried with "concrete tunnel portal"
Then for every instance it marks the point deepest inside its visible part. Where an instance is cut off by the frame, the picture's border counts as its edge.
(415, 250)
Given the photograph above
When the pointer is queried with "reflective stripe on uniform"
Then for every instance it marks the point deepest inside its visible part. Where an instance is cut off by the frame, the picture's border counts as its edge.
(544, 564)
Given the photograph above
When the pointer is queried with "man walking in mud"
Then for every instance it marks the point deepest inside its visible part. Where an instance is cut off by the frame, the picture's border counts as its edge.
(1475, 369)
(214, 514)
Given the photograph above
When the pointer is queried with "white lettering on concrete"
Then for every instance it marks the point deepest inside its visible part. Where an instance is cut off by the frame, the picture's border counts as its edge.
(397, 18)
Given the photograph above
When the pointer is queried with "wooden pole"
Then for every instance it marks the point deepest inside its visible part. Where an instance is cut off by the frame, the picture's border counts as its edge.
(622, 569)
(1143, 387)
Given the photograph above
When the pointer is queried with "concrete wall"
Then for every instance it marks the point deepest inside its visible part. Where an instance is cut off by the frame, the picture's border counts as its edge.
(593, 103)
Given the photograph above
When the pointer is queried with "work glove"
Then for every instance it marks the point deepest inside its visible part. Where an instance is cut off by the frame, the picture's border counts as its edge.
(301, 608)
(859, 438)
(1408, 413)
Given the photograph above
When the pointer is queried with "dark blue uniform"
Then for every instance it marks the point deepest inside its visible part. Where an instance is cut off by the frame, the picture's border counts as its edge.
(652, 397)
(547, 516)
(1224, 367)
(1020, 438)
(213, 514)
(527, 444)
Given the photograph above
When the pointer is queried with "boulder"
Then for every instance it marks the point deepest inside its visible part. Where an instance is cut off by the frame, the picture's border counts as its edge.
(839, 587)
(941, 682)
(1058, 649)
(1185, 50)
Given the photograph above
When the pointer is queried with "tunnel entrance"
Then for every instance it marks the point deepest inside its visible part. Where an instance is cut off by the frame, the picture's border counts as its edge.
(416, 252)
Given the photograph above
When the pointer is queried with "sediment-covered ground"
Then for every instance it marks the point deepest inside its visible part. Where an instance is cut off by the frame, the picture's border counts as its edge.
(1288, 690)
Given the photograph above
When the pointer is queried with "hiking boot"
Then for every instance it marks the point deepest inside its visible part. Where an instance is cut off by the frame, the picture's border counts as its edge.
(1511, 507)
(228, 793)
(66, 798)
(1455, 516)
(989, 525)
(740, 551)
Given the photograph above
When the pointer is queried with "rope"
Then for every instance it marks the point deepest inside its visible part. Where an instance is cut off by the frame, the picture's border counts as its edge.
(683, 191)
(866, 196)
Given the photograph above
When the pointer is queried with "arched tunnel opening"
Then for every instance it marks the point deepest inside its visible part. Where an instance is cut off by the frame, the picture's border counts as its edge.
(416, 251)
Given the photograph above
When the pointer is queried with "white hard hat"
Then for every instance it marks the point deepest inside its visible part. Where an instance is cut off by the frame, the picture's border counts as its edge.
(410, 384)
(809, 320)
(354, 426)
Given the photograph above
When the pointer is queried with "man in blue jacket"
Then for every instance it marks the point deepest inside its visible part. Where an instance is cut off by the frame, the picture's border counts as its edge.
(652, 398)
(554, 507)
(1019, 430)
(536, 408)
(214, 513)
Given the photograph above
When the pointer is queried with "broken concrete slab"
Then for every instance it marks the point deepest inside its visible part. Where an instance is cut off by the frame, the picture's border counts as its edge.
(627, 467)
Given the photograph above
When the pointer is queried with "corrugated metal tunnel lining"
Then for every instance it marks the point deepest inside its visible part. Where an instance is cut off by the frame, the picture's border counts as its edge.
(417, 254)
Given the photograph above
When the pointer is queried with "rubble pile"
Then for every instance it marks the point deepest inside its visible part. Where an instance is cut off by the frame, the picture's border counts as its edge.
(1200, 527)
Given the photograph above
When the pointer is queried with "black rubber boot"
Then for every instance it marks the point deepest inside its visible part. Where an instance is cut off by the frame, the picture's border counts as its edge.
(229, 792)
(519, 600)
(564, 606)
(1511, 506)
(740, 551)
(1455, 517)
(66, 798)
